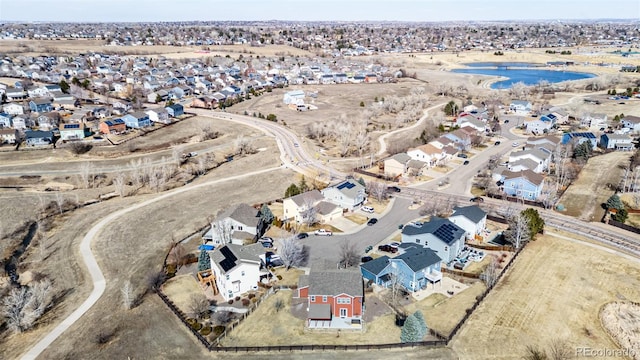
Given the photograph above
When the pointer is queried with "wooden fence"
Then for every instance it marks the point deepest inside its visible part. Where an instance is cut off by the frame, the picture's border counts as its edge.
(624, 226)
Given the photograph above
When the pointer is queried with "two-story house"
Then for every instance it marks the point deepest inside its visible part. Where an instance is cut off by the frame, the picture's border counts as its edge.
(113, 126)
(38, 138)
(310, 207)
(335, 298)
(414, 269)
(622, 142)
(175, 110)
(236, 225)
(396, 165)
(630, 122)
(13, 109)
(158, 115)
(533, 159)
(522, 107)
(348, 194)
(472, 219)
(72, 132)
(442, 236)
(40, 105)
(137, 120)
(524, 184)
(237, 269)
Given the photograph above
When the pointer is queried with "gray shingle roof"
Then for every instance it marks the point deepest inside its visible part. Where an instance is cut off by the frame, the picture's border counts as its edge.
(375, 266)
(418, 258)
(230, 255)
(402, 158)
(336, 282)
(312, 196)
(443, 229)
(325, 207)
(242, 213)
(473, 212)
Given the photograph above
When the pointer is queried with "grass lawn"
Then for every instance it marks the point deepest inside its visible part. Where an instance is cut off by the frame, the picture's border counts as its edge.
(180, 288)
(555, 290)
(289, 277)
(357, 218)
(478, 267)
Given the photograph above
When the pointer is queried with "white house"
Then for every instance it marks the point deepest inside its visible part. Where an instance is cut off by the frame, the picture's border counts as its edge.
(540, 158)
(72, 131)
(159, 115)
(293, 97)
(310, 206)
(629, 122)
(237, 269)
(617, 142)
(13, 109)
(521, 107)
(471, 219)
(236, 225)
(396, 165)
(348, 194)
(442, 236)
(427, 153)
(594, 122)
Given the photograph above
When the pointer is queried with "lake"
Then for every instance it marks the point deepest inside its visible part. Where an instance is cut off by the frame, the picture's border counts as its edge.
(524, 73)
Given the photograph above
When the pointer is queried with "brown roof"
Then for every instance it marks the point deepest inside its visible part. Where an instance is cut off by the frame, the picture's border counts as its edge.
(532, 177)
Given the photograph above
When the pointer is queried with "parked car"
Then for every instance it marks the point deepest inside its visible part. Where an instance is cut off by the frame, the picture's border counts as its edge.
(506, 121)
(387, 248)
(372, 221)
(461, 155)
(323, 232)
(477, 199)
(497, 143)
(302, 235)
(365, 259)
(466, 162)
(393, 189)
(394, 244)
(515, 144)
(267, 244)
(367, 209)
(368, 248)
(265, 239)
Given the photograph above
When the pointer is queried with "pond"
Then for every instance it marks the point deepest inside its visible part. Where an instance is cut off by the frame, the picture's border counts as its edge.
(523, 73)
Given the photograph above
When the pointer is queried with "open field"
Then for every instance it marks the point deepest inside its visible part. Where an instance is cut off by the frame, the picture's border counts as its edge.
(554, 291)
(594, 179)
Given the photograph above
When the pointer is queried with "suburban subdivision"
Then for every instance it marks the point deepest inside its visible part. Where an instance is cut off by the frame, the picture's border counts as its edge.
(404, 189)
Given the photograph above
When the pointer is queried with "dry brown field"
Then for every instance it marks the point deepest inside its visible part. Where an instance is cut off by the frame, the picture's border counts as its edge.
(584, 197)
(554, 291)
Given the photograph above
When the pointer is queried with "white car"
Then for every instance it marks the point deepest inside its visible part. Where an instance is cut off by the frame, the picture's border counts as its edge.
(323, 232)
(515, 144)
(367, 209)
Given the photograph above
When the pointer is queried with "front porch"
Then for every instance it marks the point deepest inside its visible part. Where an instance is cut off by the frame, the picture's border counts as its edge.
(320, 317)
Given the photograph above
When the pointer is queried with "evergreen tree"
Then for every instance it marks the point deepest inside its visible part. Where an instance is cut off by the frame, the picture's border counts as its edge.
(303, 185)
(64, 86)
(614, 202)
(536, 223)
(361, 181)
(423, 324)
(204, 263)
(265, 214)
(411, 331)
(292, 190)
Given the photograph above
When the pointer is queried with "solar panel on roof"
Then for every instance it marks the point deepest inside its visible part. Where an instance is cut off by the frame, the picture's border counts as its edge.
(72, 126)
(229, 259)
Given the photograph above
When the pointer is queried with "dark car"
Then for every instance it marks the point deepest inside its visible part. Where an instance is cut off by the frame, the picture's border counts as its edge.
(302, 235)
(365, 259)
(372, 221)
(461, 155)
(466, 162)
(506, 121)
(477, 199)
(497, 143)
(388, 248)
(393, 189)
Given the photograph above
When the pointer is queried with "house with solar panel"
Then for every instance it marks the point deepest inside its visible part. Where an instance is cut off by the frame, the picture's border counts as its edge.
(415, 268)
(579, 138)
(112, 126)
(72, 132)
(238, 269)
(472, 219)
(442, 236)
(335, 299)
(348, 194)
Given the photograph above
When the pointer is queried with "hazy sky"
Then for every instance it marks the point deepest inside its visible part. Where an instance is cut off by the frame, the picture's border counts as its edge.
(309, 10)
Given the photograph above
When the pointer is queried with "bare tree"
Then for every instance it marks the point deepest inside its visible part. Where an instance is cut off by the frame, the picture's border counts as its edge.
(293, 253)
(518, 231)
(176, 255)
(201, 167)
(119, 184)
(176, 155)
(198, 306)
(24, 305)
(361, 141)
(560, 350)
(136, 172)
(59, 202)
(127, 295)
(243, 145)
(309, 211)
(490, 274)
(86, 174)
(222, 231)
(348, 254)
(377, 189)
(396, 285)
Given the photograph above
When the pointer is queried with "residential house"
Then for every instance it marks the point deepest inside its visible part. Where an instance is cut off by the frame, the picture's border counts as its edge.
(580, 137)
(158, 115)
(72, 131)
(595, 122)
(237, 269)
(414, 269)
(113, 126)
(13, 109)
(472, 219)
(202, 102)
(8, 136)
(546, 143)
(348, 194)
(310, 206)
(415, 167)
(441, 142)
(617, 142)
(137, 120)
(38, 138)
(48, 121)
(5, 121)
(439, 235)
(630, 122)
(427, 153)
(40, 105)
(335, 298)
(15, 94)
(540, 125)
(524, 184)
(466, 119)
(19, 122)
(521, 107)
(175, 110)
(539, 160)
(396, 165)
(238, 225)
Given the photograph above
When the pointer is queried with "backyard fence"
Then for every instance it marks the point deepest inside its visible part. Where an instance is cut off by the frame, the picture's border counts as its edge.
(491, 247)
(624, 226)
(183, 319)
(498, 219)
(363, 347)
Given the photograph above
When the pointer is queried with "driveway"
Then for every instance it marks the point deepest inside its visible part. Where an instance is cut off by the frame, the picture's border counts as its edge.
(344, 224)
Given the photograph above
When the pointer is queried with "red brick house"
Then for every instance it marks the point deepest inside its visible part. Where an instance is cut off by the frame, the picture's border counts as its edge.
(335, 298)
(112, 126)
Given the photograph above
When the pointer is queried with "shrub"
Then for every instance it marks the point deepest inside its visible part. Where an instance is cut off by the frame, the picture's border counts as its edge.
(171, 269)
(251, 296)
(279, 277)
(279, 305)
(230, 301)
(237, 298)
(217, 330)
(196, 326)
(254, 300)
(191, 321)
(205, 330)
(246, 302)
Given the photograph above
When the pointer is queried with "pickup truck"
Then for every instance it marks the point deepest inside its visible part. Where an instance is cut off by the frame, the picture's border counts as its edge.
(323, 232)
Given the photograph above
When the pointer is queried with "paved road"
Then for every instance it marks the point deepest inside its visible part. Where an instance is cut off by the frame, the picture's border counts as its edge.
(97, 278)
